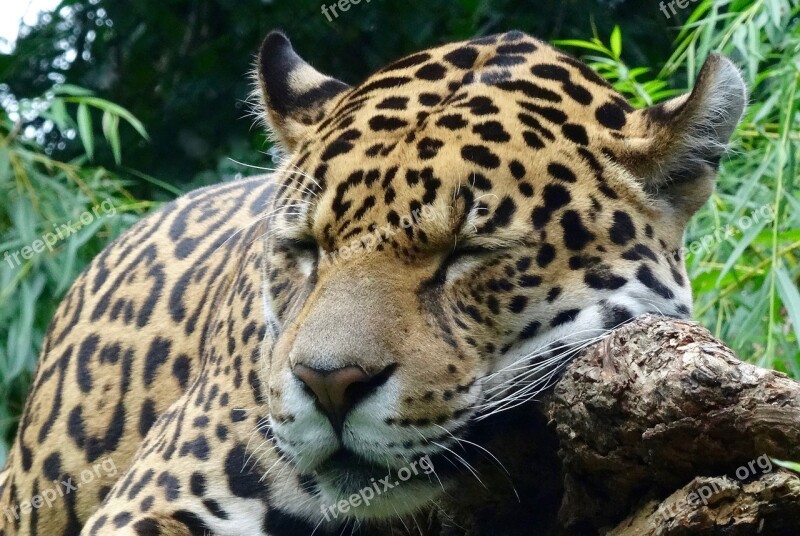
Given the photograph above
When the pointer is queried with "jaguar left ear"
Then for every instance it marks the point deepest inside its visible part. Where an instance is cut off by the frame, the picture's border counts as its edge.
(687, 136)
(295, 96)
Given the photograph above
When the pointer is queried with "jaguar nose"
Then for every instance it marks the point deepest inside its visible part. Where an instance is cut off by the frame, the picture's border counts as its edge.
(337, 391)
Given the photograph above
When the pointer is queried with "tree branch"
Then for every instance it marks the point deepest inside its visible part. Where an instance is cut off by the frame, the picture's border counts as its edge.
(657, 406)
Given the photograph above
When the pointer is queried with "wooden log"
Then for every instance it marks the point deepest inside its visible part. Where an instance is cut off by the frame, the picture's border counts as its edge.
(707, 506)
(638, 422)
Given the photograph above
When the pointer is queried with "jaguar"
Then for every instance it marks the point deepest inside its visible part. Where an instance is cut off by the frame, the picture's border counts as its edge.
(431, 247)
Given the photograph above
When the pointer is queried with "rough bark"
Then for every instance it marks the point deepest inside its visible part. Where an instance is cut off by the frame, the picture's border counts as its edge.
(656, 412)
(770, 504)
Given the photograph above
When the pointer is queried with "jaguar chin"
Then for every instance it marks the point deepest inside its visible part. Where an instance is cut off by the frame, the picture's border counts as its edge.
(370, 491)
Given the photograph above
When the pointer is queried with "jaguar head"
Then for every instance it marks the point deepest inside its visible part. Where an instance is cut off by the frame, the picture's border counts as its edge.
(444, 235)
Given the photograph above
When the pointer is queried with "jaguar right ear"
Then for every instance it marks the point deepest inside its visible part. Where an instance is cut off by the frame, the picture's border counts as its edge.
(687, 135)
(295, 96)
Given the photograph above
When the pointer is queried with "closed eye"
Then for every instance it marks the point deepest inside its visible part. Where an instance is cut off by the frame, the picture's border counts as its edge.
(300, 247)
(465, 258)
(469, 252)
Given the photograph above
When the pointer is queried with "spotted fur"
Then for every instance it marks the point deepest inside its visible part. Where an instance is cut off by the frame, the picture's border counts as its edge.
(449, 231)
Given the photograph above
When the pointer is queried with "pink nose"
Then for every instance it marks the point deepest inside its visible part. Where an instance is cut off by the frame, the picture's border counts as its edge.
(337, 391)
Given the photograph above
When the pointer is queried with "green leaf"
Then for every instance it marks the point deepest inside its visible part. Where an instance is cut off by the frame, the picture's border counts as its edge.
(580, 43)
(790, 297)
(22, 329)
(85, 130)
(765, 237)
(111, 132)
(5, 165)
(750, 327)
(120, 111)
(165, 185)
(114, 109)
(793, 466)
(59, 115)
(616, 42)
(72, 90)
(741, 245)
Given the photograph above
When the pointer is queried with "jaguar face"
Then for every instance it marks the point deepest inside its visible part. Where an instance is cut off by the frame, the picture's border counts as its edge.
(446, 234)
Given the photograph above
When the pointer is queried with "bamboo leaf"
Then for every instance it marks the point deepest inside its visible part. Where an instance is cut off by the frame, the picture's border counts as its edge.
(111, 133)
(616, 42)
(579, 43)
(59, 115)
(121, 112)
(72, 90)
(85, 130)
(792, 466)
(790, 297)
(742, 244)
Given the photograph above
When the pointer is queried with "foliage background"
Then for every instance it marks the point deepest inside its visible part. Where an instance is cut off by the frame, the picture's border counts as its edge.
(136, 102)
